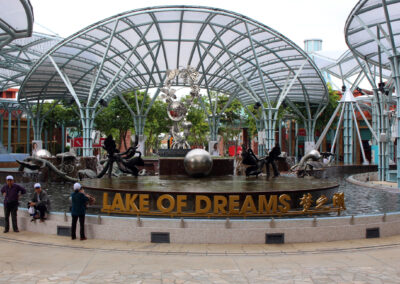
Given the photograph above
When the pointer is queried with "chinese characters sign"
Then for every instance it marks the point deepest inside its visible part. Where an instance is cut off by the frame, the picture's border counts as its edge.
(214, 205)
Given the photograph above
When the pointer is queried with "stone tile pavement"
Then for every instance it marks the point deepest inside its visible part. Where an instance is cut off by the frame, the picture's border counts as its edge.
(35, 258)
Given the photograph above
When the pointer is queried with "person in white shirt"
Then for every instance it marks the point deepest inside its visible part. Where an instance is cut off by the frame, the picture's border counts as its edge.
(214, 152)
(40, 201)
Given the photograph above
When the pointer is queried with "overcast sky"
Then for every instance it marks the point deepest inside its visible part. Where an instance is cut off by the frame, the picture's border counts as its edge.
(296, 19)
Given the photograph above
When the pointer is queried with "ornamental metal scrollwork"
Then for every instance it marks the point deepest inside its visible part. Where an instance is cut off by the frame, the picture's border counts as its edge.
(176, 110)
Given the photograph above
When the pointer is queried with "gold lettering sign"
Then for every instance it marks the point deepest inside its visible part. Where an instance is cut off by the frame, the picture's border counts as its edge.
(201, 199)
(220, 205)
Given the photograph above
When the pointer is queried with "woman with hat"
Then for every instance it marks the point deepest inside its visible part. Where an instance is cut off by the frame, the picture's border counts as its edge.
(78, 211)
(40, 201)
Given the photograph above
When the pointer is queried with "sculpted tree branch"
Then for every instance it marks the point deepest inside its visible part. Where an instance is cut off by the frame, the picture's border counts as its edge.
(35, 163)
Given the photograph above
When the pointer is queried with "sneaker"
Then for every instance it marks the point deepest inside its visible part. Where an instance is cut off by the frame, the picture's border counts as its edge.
(83, 239)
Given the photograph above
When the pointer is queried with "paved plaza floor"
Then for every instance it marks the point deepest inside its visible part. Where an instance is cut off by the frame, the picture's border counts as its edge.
(35, 258)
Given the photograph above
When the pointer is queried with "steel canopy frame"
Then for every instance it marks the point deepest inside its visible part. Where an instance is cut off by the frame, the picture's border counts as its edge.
(133, 50)
(10, 106)
(16, 20)
(17, 58)
(350, 70)
(372, 32)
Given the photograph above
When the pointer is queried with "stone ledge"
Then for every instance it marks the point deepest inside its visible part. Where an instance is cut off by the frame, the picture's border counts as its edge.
(369, 179)
(213, 231)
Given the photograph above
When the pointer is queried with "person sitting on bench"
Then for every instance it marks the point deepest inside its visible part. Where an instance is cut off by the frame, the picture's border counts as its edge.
(40, 202)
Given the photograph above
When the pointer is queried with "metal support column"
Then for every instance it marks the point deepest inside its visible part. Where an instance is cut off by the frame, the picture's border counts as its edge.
(348, 135)
(213, 122)
(9, 148)
(290, 138)
(309, 138)
(46, 138)
(296, 135)
(261, 139)
(37, 129)
(87, 119)
(28, 135)
(62, 138)
(18, 129)
(375, 143)
(1, 127)
(395, 66)
(269, 124)
(139, 122)
(280, 133)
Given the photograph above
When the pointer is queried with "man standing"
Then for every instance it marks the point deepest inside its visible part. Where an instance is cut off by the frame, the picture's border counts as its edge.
(79, 200)
(40, 201)
(11, 193)
(273, 155)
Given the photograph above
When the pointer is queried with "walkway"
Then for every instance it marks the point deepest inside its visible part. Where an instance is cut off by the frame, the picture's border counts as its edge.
(34, 258)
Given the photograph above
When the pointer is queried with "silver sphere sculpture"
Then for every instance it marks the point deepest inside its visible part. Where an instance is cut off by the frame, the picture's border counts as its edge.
(198, 163)
(176, 111)
(43, 153)
(314, 154)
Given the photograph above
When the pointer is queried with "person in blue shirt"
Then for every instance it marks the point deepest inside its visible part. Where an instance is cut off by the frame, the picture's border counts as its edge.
(79, 201)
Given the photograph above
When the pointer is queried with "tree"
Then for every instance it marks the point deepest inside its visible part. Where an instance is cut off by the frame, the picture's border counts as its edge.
(157, 122)
(56, 115)
(200, 127)
(232, 120)
(323, 119)
(116, 119)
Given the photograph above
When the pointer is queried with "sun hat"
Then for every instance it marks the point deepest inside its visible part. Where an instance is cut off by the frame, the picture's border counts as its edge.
(77, 186)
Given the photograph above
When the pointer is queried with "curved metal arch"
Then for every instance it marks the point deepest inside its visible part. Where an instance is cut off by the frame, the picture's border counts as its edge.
(252, 57)
(209, 20)
(146, 43)
(364, 6)
(19, 55)
(94, 51)
(11, 33)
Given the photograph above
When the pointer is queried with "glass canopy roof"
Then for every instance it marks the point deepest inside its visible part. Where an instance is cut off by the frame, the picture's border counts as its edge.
(133, 50)
(373, 28)
(18, 57)
(16, 20)
(347, 66)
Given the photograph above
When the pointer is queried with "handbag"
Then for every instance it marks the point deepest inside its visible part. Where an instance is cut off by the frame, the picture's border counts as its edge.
(31, 210)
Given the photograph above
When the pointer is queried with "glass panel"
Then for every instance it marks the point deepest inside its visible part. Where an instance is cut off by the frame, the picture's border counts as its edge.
(198, 16)
(190, 31)
(170, 30)
(168, 16)
(13, 13)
